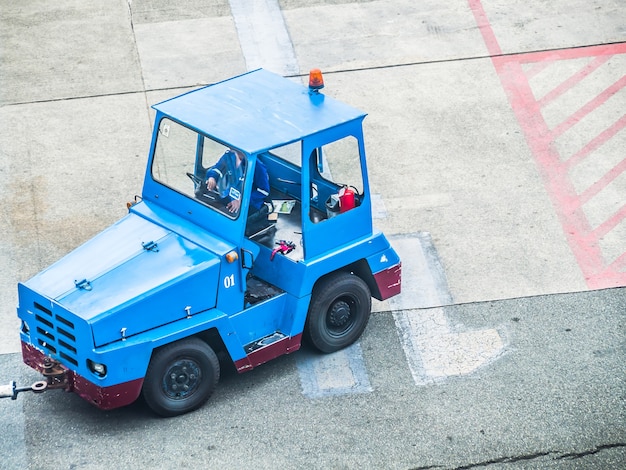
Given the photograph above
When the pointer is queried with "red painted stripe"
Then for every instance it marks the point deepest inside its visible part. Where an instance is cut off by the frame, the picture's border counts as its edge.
(610, 277)
(574, 80)
(595, 143)
(560, 189)
(485, 27)
(572, 53)
(583, 241)
(609, 224)
(539, 67)
(619, 264)
(603, 182)
(589, 107)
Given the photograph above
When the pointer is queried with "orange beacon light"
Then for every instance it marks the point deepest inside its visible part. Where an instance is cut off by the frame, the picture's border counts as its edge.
(316, 81)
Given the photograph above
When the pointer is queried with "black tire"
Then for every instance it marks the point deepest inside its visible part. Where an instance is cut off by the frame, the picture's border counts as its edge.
(339, 311)
(181, 377)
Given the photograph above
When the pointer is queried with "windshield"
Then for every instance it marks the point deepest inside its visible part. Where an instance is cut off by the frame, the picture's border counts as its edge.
(199, 167)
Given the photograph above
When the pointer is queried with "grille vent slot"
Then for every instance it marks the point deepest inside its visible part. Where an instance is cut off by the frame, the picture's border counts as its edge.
(55, 334)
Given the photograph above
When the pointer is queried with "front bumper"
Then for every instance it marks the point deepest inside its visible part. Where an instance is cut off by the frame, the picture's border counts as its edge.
(105, 398)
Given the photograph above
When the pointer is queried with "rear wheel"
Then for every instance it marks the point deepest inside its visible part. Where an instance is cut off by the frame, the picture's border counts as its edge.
(181, 377)
(340, 308)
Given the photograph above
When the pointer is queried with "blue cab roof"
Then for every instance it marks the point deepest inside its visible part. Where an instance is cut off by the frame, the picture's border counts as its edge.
(258, 111)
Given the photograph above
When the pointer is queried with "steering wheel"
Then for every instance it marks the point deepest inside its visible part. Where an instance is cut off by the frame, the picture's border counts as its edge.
(201, 191)
(196, 181)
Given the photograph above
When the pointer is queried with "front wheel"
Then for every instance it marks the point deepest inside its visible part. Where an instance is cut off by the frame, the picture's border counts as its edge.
(339, 312)
(181, 377)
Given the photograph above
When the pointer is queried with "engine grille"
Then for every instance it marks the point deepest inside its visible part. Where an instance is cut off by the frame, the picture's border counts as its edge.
(55, 334)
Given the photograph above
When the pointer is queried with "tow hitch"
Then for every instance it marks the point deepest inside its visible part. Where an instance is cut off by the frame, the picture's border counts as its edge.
(11, 390)
(55, 374)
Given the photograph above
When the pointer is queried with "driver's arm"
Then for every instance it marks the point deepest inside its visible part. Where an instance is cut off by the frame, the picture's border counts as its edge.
(216, 172)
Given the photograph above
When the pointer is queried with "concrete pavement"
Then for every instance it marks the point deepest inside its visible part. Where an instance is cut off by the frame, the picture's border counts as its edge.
(555, 400)
(446, 149)
(496, 127)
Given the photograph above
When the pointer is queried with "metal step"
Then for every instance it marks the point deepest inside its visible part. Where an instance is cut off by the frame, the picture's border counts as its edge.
(265, 341)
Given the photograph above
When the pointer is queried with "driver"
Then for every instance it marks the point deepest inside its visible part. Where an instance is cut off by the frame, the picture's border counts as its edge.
(226, 177)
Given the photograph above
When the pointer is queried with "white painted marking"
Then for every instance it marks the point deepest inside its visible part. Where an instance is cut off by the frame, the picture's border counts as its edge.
(265, 42)
(434, 352)
(339, 373)
(263, 36)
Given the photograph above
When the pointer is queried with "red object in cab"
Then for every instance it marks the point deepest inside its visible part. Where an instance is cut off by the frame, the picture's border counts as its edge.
(346, 199)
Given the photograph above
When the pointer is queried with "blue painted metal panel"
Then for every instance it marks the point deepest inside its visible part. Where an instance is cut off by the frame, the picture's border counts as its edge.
(174, 260)
(383, 260)
(54, 330)
(119, 274)
(330, 234)
(150, 290)
(191, 230)
(262, 319)
(67, 338)
(128, 360)
(230, 287)
(303, 274)
(104, 252)
(258, 111)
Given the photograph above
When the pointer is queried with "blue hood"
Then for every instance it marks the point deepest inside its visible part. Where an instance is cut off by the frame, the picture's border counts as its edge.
(122, 281)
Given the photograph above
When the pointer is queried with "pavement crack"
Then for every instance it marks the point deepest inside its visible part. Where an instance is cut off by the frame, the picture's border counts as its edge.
(538, 455)
(519, 458)
(578, 455)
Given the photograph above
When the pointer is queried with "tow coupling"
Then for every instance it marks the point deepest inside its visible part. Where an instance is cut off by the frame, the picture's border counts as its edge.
(54, 373)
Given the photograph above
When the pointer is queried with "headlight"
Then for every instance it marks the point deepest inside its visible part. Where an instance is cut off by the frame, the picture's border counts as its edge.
(99, 369)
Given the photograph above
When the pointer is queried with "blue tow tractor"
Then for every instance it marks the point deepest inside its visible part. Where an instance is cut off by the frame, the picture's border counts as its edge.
(253, 233)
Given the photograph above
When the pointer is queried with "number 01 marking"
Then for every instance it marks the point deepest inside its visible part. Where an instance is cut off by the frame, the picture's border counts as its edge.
(229, 281)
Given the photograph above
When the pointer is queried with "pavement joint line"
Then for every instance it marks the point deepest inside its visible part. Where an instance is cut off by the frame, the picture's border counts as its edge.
(327, 72)
(138, 55)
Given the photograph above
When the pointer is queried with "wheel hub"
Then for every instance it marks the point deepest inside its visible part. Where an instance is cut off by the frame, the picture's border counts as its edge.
(181, 379)
(340, 314)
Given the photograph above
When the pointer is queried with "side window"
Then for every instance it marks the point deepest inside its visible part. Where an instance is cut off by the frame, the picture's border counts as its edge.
(337, 182)
(174, 156)
(211, 153)
(284, 166)
(290, 152)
